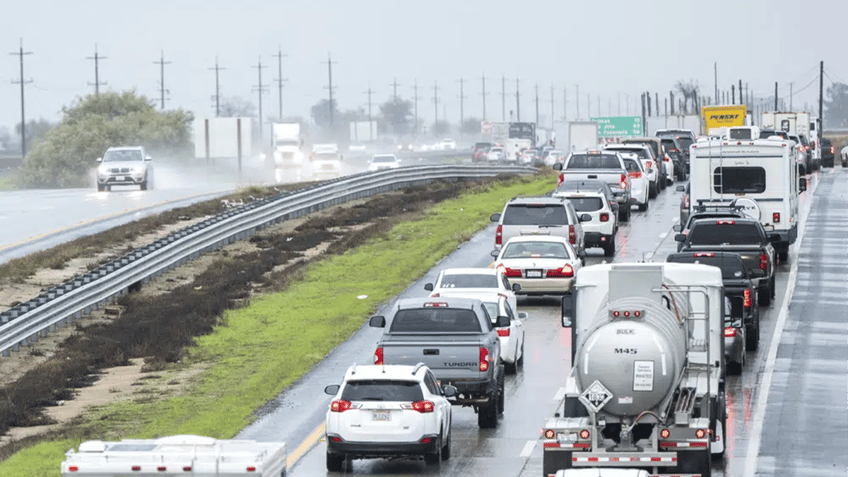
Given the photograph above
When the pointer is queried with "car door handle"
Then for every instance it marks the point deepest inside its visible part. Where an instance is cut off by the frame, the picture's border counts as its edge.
(431, 352)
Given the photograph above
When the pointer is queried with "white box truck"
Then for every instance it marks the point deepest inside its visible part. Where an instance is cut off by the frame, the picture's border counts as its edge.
(582, 135)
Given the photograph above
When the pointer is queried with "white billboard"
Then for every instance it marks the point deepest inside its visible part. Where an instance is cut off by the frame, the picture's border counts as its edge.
(222, 136)
(363, 131)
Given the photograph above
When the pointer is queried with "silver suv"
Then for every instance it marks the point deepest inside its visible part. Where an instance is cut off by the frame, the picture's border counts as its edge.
(124, 166)
(541, 216)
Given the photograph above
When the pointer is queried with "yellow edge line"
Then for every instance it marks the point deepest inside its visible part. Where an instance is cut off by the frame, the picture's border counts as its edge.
(304, 446)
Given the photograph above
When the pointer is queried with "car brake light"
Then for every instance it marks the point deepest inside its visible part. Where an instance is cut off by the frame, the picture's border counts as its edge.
(73, 468)
(763, 261)
(423, 406)
(623, 181)
(729, 332)
(572, 235)
(484, 359)
(649, 164)
(512, 273)
(561, 178)
(686, 201)
(635, 175)
(565, 272)
(725, 222)
(775, 217)
(746, 298)
(666, 158)
(503, 331)
(378, 355)
(340, 405)
(604, 217)
(833, 149)
(499, 235)
(704, 254)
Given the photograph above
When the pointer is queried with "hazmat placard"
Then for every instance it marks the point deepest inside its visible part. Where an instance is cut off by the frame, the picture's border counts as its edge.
(595, 396)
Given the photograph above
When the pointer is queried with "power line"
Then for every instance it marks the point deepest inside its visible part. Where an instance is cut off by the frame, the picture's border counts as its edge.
(162, 64)
(280, 80)
(97, 59)
(261, 89)
(217, 96)
(21, 53)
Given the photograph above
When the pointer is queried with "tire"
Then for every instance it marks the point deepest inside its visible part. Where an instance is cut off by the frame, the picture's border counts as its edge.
(555, 461)
(694, 462)
(643, 207)
(783, 257)
(446, 449)
(720, 416)
(520, 360)
(487, 416)
(609, 248)
(510, 368)
(624, 215)
(101, 187)
(435, 457)
(752, 335)
(764, 296)
(335, 462)
(652, 191)
(144, 184)
(501, 396)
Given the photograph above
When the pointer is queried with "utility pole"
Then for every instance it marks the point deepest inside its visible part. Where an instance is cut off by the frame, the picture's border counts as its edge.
(732, 94)
(394, 85)
(564, 103)
(370, 124)
(415, 101)
(599, 105)
(484, 96)
(96, 59)
(21, 53)
(537, 104)
(821, 102)
(503, 98)
(260, 89)
(619, 103)
(715, 80)
(790, 97)
(217, 88)
(577, 99)
(657, 102)
(436, 101)
(280, 80)
(162, 64)
(671, 101)
(741, 101)
(461, 105)
(775, 96)
(517, 102)
(330, 86)
(648, 101)
(552, 105)
(589, 105)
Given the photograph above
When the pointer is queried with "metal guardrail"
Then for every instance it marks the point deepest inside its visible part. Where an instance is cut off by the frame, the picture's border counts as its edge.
(60, 305)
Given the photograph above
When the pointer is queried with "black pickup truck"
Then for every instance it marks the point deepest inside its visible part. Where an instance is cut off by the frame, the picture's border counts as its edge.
(457, 340)
(744, 236)
(738, 287)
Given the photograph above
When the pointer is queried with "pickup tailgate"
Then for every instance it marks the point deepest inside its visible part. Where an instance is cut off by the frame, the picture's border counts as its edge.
(610, 176)
(449, 356)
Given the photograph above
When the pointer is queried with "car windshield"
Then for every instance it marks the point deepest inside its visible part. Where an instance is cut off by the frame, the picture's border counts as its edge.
(435, 320)
(685, 142)
(535, 250)
(383, 159)
(470, 280)
(327, 156)
(586, 204)
(651, 144)
(127, 155)
(382, 390)
(480, 145)
(535, 214)
(726, 233)
(640, 152)
(732, 268)
(593, 161)
(707, 215)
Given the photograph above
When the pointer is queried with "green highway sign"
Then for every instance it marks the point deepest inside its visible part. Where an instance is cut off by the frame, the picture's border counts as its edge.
(619, 126)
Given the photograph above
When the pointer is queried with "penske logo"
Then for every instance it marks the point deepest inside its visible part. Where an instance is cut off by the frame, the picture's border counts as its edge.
(723, 117)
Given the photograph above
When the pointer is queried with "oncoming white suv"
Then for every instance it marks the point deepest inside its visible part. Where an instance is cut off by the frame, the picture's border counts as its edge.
(388, 411)
(124, 166)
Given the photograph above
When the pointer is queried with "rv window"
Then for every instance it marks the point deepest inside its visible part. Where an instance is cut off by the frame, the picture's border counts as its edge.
(739, 180)
(740, 134)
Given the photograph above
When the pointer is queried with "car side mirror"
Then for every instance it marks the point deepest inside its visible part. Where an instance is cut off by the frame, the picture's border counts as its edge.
(332, 389)
(802, 184)
(148, 158)
(428, 287)
(502, 322)
(522, 315)
(677, 228)
(758, 273)
(377, 321)
(448, 391)
(680, 238)
(99, 159)
(495, 253)
(585, 218)
(516, 287)
(680, 188)
(495, 217)
(557, 166)
(568, 310)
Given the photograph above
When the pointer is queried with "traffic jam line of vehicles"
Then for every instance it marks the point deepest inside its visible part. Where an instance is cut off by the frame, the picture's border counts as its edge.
(651, 343)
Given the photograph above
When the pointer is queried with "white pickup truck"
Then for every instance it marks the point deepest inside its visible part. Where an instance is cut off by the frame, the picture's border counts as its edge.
(607, 166)
(181, 455)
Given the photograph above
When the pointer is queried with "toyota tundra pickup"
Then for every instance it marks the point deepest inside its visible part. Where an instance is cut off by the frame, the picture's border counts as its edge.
(457, 340)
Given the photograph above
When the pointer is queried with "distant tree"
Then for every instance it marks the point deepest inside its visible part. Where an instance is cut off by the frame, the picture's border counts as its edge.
(236, 107)
(35, 130)
(689, 90)
(471, 126)
(66, 154)
(396, 116)
(836, 105)
(440, 128)
(320, 112)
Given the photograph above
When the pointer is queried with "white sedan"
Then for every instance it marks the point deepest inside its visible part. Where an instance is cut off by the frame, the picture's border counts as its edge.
(540, 264)
(383, 161)
(463, 282)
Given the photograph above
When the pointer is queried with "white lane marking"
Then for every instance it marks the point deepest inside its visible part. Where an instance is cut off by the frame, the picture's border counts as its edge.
(663, 235)
(762, 399)
(528, 449)
(559, 394)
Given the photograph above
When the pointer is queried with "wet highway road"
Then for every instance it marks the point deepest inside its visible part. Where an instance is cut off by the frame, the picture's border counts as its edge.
(511, 449)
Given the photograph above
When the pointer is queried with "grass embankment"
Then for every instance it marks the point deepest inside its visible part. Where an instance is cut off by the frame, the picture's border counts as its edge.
(7, 183)
(265, 347)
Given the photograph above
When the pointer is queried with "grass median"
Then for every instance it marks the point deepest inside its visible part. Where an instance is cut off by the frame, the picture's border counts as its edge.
(261, 349)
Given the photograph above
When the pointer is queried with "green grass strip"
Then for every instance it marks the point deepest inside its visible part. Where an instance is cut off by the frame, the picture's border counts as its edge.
(262, 349)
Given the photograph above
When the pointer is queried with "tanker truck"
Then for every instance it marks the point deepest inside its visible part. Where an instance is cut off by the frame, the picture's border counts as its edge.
(646, 387)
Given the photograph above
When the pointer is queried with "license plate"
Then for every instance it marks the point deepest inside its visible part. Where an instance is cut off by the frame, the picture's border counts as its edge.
(124, 178)
(382, 416)
(567, 437)
(769, 228)
(328, 166)
(534, 274)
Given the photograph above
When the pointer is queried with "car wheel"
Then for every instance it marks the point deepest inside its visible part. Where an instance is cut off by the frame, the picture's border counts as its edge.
(624, 215)
(435, 457)
(652, 191)
(446, 449)
(487, 416)
(108, 188)
(643, 207)
(752, 334)
(510, 368)
(764, 296)
(101, 187)
(520, 360)
(783, 257)
(501, 397)
(609, 247)
(144, 185)
(335, 462)
(734, 368)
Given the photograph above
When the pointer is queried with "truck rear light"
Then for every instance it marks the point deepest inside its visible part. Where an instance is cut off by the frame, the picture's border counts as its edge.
(775, 217)
(746, 298)
(72, 468)
(423, 406)
(432, 304)
(136, 468)
(550, 434)
(833, 149)
(729, 332)
(704, 254)
(560, 179)
(725, 222)
(251, 468)
(700, 433)
(484, 359)
(626, 313)
(187, 468)
(572, 235)
(499, 235)
(340, 405)
(623, 181)
(686, 201)
(161, 468)
(763, 261)
(635, 175)
(604, 217)
(567, 271)
(665, 433)
(584, 434)
(378, 355)
(512, 273)
(503, 332)
(425, 440)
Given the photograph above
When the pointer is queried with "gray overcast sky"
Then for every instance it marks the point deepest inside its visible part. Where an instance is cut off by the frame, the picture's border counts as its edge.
(605, 47)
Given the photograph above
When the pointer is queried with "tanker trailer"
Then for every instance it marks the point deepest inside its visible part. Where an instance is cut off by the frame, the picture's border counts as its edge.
(646, 388)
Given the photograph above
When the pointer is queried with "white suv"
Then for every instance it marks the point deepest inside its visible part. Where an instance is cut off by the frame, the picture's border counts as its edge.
(124, 166)
(388, 411)
(590, 199)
